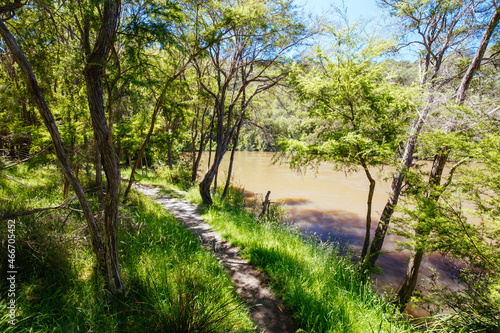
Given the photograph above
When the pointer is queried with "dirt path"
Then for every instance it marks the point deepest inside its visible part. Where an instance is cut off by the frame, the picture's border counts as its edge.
(266, 311)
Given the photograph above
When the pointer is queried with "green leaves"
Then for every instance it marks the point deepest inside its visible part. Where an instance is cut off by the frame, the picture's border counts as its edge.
(361, 113)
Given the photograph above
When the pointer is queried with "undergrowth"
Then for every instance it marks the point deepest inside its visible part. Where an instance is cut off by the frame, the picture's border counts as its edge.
(317, 283)
(172, 283)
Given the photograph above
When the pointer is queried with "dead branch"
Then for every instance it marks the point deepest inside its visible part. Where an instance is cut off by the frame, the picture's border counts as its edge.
(266, 204)
(36, 210)
(268, 135)
(26, 159)
(18, 182)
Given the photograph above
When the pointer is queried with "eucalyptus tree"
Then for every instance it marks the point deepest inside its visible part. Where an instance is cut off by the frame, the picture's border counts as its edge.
(178, 46)
(201, 124)
(437, 28)
(435, 189)
(360, 114)
(102, 28)
(249, 59)
(45, 113)
(96, 52)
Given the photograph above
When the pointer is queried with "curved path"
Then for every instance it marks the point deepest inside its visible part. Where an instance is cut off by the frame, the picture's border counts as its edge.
(266, 311)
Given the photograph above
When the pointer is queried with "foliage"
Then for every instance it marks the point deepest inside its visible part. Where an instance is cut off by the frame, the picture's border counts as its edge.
(206, 66)
(172, 282)
(359, 114)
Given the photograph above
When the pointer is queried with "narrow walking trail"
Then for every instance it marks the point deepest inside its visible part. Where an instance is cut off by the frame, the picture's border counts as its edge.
(266, 311)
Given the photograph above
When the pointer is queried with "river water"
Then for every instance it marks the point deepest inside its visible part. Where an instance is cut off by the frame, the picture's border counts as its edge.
(332, 205)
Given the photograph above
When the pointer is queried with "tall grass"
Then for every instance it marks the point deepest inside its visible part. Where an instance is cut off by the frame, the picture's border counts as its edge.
(172, 283)
(318, 284)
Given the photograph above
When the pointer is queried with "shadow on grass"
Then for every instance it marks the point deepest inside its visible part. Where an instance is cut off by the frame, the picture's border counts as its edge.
(313, 279)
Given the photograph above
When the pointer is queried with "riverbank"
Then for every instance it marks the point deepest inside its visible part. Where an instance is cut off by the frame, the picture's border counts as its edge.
(318, 284)
(315, 282)
(267, 312)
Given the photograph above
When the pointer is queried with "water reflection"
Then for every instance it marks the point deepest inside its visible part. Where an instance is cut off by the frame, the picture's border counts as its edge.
(332, 205)
(294, 201)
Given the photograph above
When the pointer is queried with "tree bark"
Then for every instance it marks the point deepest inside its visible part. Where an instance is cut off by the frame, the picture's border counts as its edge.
(48, 119)
(476, 62)
(98, 176)
(369, 202)
(231, 160)
(203, 135)
(397, 182)
(410, 280)
(206, 183)
(93, 77)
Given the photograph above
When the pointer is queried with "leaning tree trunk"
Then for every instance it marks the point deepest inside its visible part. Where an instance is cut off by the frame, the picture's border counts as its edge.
(206, 183)
(196, 162)
(143, 148)
(95, 96)
(397, 182)
(410, 280)
(48, 119)
(476, 62)
(368, 213)
(223, 140)
(411, 277)
(440, 160)
(231, 160)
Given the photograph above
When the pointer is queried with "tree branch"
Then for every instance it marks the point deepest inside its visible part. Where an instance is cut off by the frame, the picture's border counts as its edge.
(16, 181)
(26, 159)
(10, 8)
(36, 210)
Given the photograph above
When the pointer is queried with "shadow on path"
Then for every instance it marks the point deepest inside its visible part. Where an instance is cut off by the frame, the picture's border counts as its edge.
(266, 311)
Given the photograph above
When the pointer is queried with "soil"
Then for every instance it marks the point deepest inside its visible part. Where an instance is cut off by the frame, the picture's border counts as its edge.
(251, 284)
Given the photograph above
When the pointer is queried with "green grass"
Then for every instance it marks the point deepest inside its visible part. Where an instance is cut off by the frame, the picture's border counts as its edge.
(318, 284)
(172, 283)
(170, 181)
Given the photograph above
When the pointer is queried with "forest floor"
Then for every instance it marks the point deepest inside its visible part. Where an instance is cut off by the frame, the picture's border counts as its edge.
(251, 284)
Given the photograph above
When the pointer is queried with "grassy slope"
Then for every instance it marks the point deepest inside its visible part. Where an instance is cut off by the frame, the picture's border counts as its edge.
(171, 280)
(318, 284)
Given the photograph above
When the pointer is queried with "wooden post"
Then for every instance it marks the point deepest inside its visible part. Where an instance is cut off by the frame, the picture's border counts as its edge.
(266, 204)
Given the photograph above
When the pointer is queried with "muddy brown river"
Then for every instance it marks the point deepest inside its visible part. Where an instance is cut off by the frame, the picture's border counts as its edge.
(332, 205)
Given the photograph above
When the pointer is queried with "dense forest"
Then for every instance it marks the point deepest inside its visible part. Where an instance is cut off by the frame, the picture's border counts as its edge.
(96, 96)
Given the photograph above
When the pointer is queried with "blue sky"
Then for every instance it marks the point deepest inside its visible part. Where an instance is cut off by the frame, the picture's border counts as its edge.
(355, 8)
(359, 10)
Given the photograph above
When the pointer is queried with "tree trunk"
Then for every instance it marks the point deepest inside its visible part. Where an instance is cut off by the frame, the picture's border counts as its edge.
(48, 119)
(65, 187)
(369, 202)
(476, 62)
(410, 280)
(265, 204)
(93, 77)
(196, 161)
(206, 183)
(210, 145)
(231, 160)
(440, 160)
(143, 147)
(169, 157)
(215, 181)
(196, 164)
(98, 177)
(397, 182)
